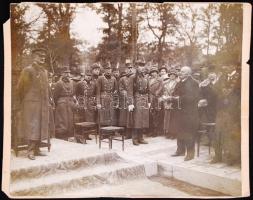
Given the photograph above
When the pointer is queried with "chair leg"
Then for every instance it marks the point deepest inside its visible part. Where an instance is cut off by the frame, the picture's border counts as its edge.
(198, 144)
(123, 142)
(99, 142)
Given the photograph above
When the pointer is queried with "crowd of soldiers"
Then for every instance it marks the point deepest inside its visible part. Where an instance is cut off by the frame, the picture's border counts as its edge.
(170, 102)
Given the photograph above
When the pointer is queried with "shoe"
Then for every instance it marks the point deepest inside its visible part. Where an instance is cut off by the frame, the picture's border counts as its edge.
(143, 141)
(31, 156)
(187, 158)
(135, 142)
(215, 160)
(128, 137)
(88, 138)
(177, 154)
(39, 153)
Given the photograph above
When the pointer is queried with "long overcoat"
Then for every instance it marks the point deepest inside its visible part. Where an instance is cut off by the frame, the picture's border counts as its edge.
(63, 96)
(106, 95)
(125, 99)
(32, 91)
(187, 116)
(141, 101)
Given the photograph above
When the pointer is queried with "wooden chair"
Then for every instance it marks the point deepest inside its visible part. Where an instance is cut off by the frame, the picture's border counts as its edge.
(208, 130)
(83, 129)
(111, 133)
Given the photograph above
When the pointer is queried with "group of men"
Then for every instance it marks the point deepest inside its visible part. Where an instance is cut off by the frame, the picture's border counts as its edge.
(155, 102)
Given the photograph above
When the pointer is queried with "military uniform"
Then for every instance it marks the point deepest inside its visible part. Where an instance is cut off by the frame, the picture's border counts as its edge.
(106, 96)
(33, 97)
(63, 97)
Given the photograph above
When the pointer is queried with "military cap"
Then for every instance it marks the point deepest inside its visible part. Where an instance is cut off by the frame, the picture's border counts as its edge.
(95, 66)
(115, 69)
(140, 61)
(40, 51)
(153, 69)
(107, 66)
(65, 70)
(88, 73)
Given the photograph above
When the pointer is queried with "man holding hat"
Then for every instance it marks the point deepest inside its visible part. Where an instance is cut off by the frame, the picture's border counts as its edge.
(33, 98)
(105, 96)
(155, 91)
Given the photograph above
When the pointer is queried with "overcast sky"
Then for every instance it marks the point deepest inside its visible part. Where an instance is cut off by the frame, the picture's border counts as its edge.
(87, 25)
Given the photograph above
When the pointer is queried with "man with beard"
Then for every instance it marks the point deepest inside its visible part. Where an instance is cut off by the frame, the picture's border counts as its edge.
(106, 89)
(187, 93)
(64, 100)
(33, 96)
(141, 104)
(126, 99)
(155, 91)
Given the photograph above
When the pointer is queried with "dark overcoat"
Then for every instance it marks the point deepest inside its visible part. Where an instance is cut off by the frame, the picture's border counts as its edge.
(141, 101)
(125, 99)
(32, 91)
(86, 96)
(63, 97)
(187, 117)
(106, 95)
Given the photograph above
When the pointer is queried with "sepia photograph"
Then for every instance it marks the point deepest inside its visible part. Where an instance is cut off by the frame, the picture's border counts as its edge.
(127, 100)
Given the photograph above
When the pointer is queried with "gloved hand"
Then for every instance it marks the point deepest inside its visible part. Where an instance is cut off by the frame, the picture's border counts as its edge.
(99, 106)
(130, 108)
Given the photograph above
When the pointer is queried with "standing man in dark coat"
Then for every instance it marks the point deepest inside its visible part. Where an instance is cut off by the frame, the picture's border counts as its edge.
(106, 91)
(141, 104)
(155, 92)
(187, 93)
(33, 95)
(65, 103)
(126, 98)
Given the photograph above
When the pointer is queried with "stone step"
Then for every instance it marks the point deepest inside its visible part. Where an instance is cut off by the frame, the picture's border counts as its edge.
(63, 166)
(89, 177)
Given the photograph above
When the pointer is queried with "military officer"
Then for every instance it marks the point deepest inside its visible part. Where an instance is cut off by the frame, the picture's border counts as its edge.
(126, 98)
(33, 96)
(106, 97)
(141, 104)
